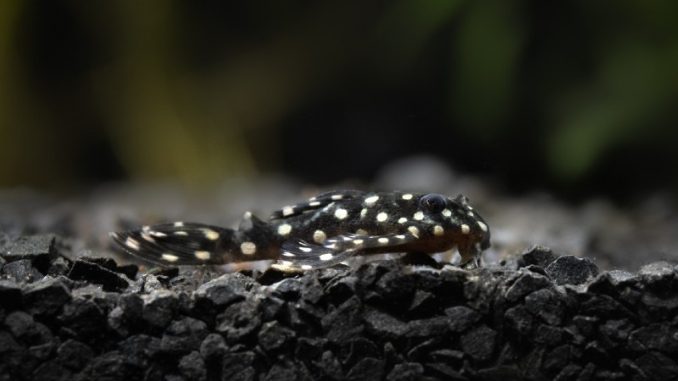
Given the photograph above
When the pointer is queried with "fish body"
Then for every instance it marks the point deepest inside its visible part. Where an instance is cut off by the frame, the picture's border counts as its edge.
(322, 231)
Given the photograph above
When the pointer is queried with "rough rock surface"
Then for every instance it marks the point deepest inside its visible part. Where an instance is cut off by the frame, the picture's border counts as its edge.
(539, 318)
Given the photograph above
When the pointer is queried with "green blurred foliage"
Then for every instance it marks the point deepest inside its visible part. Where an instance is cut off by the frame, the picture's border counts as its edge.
(193, 92)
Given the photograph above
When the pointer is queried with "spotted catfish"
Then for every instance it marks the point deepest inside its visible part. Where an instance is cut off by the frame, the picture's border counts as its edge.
(323, 231)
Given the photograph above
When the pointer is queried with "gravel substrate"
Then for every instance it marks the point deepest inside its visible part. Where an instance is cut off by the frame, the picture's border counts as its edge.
(541, 317)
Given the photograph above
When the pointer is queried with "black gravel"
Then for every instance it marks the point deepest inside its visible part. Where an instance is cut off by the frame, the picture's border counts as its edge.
(541, 317)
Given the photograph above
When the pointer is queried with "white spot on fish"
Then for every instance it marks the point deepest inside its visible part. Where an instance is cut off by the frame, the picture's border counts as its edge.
(358, 242)
(402, 220)
(306, 249)
(287, 211)
(418, 215)
(147, 237)
(202, 255)
(438, 230)
(180, 232)
(287, 254)
(482, 225)
(370, 201)
(381, 217)
(414, 231)
(383, 240)
(407, 196)
(306, 267)
(447, 212)
(465, 229)
(284, 229)
(169, 257)
(132, 243)
(326, 257)
(363, 213)
(178, 224)
(361, 232)
(157, 234)
(211, 234)
(340, 213)
(319, 236)
(248, 248)
(314, 203)
(337, 197)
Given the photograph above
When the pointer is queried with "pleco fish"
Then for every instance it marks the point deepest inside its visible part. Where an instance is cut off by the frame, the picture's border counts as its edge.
(321, 232)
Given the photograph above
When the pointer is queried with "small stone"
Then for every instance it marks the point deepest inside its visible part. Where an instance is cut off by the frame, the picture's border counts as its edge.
(605, 307)
(546, 304)
(586, 325)
(329, 366)
(287, 371)
(461, 318)
(213, 347)
(183, 336)
(479, 343)
(526, 283)
(238, 366)
(225, 290)
(139, 349)
(110, 366)
(59, 266)
(84, 319)
(74, 355)
(519, 320)
(94, 273)
(367, 369)
(192, 367)
(568, 373)
(19, 323)
(288, 289)
(273, 336)
(548, 335)
(41, 351)
(238, 320)
(358, 348)
(159, 308)
(125, 317)
(406, 372)
(423, 328)
(658, 366)
(39, 249)
(384, 325)
(571, 270)
(658, 276)
(51, 371)
(309, 348)
(557, 358)
(343, 322)
(655, 336)
(46, 296)
(632, 370)
(537, 255)
(338, 290)
(21, 271)
(10, 294)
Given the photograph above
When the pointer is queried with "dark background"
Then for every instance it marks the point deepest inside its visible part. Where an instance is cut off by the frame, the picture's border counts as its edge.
(578, 98)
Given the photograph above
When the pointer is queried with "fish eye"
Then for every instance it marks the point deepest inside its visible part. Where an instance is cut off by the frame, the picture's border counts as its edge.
(433, 202)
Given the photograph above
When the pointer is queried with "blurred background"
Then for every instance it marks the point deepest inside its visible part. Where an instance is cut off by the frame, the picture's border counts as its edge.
(575, 99)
